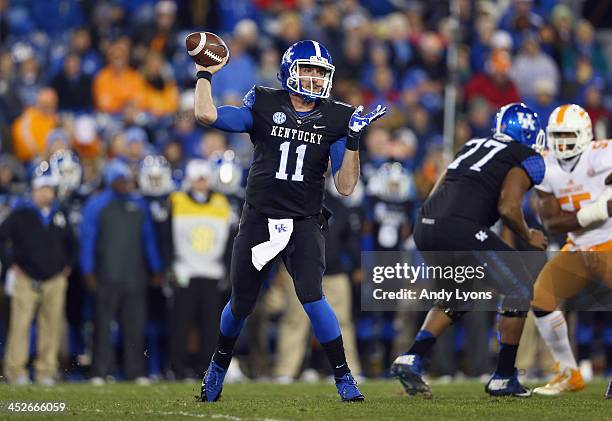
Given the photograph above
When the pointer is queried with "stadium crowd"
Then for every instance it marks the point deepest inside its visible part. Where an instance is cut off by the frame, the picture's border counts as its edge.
(105, 89)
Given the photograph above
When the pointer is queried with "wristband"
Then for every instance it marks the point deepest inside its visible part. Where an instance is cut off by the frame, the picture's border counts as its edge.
(204, 74)
(352, 143)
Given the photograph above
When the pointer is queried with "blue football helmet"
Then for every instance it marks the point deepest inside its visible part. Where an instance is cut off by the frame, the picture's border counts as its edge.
(517, 122)
(306, 53)
(66, 167)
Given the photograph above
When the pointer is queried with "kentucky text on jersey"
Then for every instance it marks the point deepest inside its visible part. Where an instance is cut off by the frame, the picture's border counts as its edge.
(287, 133)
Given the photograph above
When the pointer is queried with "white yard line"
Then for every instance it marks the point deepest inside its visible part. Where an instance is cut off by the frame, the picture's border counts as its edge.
(187, 414)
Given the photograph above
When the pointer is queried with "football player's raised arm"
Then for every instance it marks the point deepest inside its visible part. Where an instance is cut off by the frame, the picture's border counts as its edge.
(513, 190)
(204, 109)
(554, 219)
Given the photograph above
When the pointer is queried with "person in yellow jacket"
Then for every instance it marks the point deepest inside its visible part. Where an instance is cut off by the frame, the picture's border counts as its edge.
(201, 224)
(31, 128)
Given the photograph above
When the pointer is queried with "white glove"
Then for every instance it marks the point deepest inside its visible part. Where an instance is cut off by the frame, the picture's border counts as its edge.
(596, 211)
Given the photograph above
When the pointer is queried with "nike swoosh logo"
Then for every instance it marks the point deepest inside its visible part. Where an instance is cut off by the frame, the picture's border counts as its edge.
(314, 126)
(342, 365)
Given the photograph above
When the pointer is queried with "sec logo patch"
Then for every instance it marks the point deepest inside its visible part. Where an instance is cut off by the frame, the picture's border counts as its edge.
(279, 117)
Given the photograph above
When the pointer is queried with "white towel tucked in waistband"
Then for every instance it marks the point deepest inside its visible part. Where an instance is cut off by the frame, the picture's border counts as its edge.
(280, 234)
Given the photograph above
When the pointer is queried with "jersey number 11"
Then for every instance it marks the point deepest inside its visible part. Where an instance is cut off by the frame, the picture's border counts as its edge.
(281, 174)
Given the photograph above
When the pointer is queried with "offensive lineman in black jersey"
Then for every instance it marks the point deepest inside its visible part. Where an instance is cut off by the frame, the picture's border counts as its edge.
(486, 181)
(295, 131)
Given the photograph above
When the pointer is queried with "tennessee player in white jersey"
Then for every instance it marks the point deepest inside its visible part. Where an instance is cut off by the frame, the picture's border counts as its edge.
(573, 198)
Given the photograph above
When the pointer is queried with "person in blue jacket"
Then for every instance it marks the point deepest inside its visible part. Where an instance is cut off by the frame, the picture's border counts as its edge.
(119, 256)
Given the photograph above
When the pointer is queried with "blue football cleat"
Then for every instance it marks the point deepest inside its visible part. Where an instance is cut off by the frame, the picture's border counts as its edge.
(212, 383)
(409, 370)
(506, 386)
(347, 389)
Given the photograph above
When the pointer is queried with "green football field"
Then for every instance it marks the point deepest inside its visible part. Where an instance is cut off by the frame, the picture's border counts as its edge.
(263, 401)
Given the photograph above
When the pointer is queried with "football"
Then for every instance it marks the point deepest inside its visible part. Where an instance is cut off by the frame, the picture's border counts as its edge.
(206, 49)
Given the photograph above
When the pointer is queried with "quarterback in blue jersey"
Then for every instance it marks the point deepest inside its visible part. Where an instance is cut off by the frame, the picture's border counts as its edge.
(494, 173)
(295, 131)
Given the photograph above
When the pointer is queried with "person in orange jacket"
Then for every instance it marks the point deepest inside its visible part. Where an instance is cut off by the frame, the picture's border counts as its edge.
(31, 128)
(117, 83)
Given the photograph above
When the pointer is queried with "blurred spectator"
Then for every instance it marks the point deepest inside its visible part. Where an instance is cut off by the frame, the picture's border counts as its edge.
(403, 147)
(520, 18)
(349, 64)
(494, 85)
(29, 81)
(73, 86)
(10, 103)
(562, 19)
(80, 44)
(377, 143)
(530, 65)
(434, 165)
(86, 140)
(12, 180)
(135, 148)
(158, 36)
(186, 131)
(544, 101)
(402, 53)
(31, 128)
(431, 57)
(118, 254)
(238, 76)
(117, 83)
(173, 152)
(56, 141)
(268, 69)
(155, 184)
(592, 99)
(586, 46)
(383, 89)
(213, 142)
(480, 116)
(38, 245)
(201, 223)
(247, 34)
(418, 88)
(160, 89)
(487, 39)
(289, 30)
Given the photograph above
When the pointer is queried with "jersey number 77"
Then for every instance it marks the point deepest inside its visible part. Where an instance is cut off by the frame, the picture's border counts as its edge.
(493, 145)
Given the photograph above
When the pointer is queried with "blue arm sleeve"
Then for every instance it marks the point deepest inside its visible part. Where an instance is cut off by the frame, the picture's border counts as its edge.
(336, 154)
(535, 168)
(233, 119)
(89, 231)
(150, 240)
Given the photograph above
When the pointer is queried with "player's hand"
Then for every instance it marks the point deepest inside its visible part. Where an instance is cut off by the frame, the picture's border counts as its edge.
(358, 122)
(537, 239)
(212, 69)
